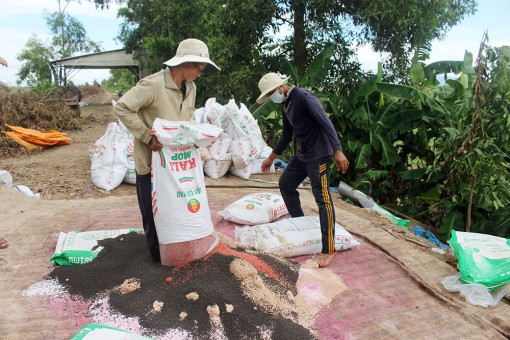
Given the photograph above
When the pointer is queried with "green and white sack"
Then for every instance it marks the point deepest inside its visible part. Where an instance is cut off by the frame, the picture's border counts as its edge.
(483, 259)
(93, 331)
(77, 248)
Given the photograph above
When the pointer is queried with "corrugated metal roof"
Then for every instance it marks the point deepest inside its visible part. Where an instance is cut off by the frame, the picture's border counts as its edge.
(108, 59)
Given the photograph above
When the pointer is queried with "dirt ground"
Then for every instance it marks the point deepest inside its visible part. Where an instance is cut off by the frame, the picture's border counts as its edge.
(63, 172)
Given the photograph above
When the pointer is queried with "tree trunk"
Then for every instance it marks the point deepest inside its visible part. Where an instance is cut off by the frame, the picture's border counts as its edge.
(470, 203)
(300, 54)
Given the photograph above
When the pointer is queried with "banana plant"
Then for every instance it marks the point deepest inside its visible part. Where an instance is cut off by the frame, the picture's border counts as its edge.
(387, 124)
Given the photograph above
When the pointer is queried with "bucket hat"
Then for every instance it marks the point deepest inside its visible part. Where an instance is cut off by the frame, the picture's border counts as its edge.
(268, 83)
(193, 51)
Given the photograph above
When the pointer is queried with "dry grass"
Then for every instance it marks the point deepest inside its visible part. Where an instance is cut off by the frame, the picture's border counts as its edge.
(89, 90)
(25, 108)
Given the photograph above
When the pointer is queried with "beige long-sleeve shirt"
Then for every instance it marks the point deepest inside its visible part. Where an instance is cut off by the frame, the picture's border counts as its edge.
(156, 96)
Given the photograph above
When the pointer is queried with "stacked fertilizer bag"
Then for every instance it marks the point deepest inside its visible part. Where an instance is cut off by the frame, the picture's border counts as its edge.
(217, 159)
(260, 225)
(109, 157)
(179, 198)
(112, 157)
(292, 237)
(241, 149)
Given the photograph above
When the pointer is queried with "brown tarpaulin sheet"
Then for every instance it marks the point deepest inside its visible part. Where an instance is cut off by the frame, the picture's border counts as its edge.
(394, 281)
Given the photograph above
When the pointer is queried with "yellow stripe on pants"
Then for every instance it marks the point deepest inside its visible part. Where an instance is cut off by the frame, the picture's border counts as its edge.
(329, 210)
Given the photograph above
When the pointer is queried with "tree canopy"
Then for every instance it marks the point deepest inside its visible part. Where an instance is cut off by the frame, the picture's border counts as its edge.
(68, 38)
(249, 38)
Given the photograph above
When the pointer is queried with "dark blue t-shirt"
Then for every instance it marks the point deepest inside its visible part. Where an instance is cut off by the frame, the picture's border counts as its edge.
(304, 117)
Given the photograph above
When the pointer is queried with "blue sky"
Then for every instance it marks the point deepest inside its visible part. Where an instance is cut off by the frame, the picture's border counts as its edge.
(20, 19)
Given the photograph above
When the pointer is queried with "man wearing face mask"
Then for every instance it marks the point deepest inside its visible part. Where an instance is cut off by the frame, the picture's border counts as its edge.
(317, 141)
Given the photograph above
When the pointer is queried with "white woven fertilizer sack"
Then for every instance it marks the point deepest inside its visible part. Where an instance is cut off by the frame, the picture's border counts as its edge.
(199, 116)
(77, 248)
(220, 147)
(175, 133)
(255, 209)
(228, 123)
(292, 237)
(243, 173)
(217, 169)
(108, 158)
(246, 127)
(215, 113)
(256, 167)
(180, 205)
(179, 198)
(242, 153)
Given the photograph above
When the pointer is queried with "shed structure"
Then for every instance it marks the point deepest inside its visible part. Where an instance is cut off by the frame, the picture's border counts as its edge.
(116, 59)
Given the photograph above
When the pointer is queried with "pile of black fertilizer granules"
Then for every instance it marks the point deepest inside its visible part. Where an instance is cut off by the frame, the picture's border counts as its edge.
(127, 257)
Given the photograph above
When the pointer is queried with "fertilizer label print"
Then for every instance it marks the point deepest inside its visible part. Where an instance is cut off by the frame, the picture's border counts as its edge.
(193, 206)
(179, 161)
(189, 193)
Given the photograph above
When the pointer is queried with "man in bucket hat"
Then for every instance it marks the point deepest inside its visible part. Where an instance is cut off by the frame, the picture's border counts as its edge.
(317, 141)
(168, 94)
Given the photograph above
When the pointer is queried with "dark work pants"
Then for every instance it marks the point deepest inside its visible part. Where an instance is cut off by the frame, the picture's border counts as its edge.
(318, 172)
(144, 194)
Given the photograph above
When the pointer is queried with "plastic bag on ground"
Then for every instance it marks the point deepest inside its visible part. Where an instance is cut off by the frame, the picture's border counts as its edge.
(474, 293)
(228, 124)
(5, 177)
(199, 116)
(429, 236)
(26, 190)
(292, 237)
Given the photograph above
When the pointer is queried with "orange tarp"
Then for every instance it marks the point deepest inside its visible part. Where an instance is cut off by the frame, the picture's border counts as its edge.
(33, 139)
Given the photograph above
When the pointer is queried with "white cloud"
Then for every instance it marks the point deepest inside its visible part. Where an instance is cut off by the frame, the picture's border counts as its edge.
(369, 58)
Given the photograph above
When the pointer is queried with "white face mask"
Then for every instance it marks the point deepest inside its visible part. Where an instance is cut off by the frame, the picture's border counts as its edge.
(277, 97)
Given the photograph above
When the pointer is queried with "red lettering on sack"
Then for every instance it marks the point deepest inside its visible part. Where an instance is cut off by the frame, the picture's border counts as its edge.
(183, 166)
